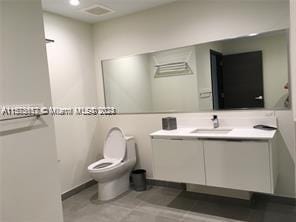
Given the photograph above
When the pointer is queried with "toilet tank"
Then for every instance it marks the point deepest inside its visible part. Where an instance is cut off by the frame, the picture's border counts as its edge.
(130, 149)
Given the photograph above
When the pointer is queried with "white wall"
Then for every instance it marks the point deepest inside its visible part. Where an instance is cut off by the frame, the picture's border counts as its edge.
(127, 84)
(293, 54)
(1, 102)
(180, 24)
(293, 57)
(30, 187)
(73, 83)
(287, 154)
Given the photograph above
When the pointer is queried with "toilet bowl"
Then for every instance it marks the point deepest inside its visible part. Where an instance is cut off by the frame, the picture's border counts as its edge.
(113, 171)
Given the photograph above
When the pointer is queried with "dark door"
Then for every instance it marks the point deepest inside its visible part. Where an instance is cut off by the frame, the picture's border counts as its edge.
(217, 79)
(243, 80)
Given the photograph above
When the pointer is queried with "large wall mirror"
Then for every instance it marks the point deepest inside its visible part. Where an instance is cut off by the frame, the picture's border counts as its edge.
(243, 73)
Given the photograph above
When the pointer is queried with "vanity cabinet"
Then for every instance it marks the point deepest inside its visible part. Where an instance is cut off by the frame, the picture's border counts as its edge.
(235, 164)
(178, 160)
(243, 165)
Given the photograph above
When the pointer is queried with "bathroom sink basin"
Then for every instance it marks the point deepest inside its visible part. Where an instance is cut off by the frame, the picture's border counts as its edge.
(212, 131)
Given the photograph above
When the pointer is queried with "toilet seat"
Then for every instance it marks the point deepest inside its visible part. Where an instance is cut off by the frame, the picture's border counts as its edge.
(114, 151)
(115, 145)
(104, 164)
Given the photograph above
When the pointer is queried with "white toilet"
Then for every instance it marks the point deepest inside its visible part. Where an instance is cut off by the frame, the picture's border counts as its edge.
(112, 172)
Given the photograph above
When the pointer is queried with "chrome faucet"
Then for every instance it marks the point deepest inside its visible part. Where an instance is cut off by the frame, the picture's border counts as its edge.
(215, 121)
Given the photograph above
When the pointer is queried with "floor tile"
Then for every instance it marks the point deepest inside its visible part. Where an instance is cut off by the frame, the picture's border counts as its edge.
(160, 204)
(128, 200)
(195, 217)
(137, 216)
(226, 211)
(101, 213)
(184, 201)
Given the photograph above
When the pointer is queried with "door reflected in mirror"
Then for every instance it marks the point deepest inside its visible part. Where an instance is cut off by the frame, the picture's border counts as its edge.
(237, 80)
(244, 73)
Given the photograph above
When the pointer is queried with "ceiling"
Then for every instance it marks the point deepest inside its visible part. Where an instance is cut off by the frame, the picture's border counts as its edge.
(119, 8)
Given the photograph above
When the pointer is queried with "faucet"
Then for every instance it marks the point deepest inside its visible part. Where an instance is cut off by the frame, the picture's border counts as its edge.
(215, 121)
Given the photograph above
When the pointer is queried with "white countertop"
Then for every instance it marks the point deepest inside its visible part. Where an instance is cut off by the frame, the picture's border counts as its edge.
(235, 133)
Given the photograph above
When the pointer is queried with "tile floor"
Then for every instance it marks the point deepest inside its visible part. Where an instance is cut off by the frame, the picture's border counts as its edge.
(162, 204)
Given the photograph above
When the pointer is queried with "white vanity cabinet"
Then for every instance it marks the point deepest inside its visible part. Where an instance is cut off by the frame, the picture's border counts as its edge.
(243, 165)
(178, 160)
(248, 165)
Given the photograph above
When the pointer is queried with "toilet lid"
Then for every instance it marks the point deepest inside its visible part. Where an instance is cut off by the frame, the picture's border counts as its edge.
(115, 144)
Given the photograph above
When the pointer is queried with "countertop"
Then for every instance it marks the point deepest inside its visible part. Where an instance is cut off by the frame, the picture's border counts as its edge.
(235, 133)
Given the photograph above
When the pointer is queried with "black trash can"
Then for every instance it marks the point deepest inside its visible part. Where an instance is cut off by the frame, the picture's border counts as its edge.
(139, 179)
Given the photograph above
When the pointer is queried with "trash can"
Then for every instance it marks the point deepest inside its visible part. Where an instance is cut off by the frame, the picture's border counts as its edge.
(139, 179)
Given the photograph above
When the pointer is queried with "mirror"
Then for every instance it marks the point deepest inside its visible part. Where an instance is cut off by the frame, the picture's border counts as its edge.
(243, 73)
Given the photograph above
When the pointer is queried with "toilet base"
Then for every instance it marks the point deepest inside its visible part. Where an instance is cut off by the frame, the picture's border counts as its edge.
(112, 189)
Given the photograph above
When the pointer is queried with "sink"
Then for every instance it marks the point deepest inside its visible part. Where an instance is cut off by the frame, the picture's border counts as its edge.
(212, 131)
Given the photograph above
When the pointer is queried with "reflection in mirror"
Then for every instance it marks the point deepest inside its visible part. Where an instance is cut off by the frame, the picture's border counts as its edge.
(241, 73)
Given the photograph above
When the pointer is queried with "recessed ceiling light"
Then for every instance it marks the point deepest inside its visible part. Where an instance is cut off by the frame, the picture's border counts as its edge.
(253, 34)
(74, 2)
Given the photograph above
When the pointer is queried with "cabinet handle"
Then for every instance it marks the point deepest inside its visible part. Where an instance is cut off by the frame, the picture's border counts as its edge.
(226, 140)
(235, 140)
(185, 139)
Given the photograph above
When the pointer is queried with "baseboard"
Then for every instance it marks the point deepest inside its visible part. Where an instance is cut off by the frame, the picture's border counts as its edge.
(182, 186)
(217, 191)
(278, 199)
(161, 183)
(78, 189)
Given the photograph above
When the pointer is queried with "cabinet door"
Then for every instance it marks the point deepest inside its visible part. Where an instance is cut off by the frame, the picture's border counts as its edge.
(238, 165)
(178, 160)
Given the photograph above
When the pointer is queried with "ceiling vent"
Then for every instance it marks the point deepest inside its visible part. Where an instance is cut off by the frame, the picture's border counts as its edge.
(98, 10)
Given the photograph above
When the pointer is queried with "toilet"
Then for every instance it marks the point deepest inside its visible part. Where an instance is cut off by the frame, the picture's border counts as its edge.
(112, 172)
